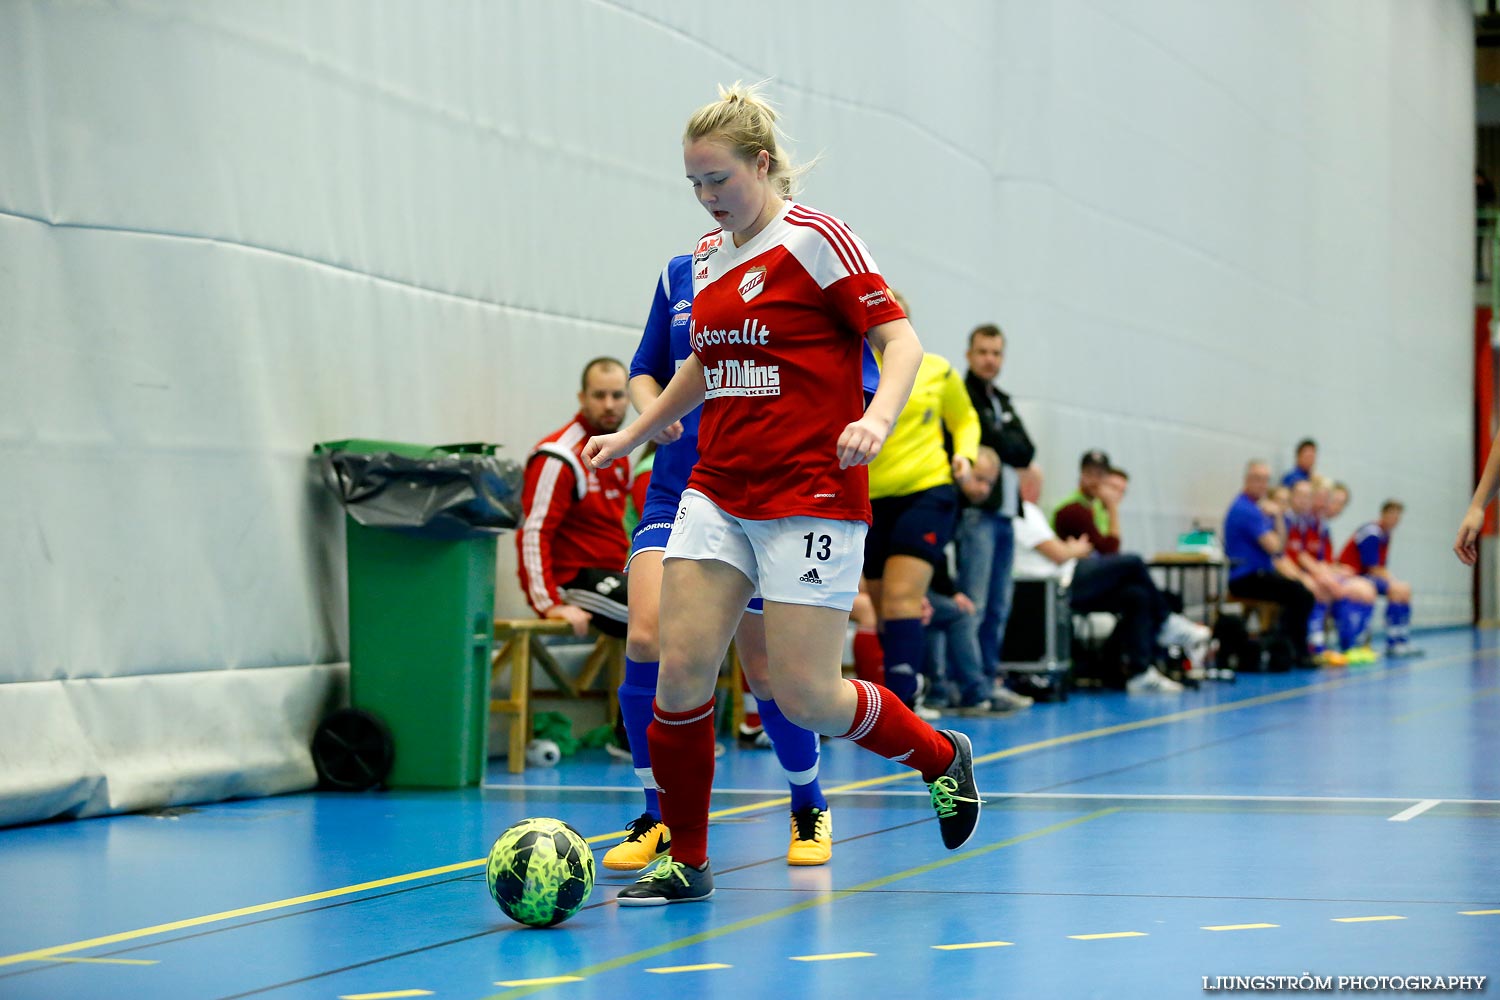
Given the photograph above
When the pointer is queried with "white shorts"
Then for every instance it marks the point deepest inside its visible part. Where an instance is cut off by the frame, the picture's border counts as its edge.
(793, 560)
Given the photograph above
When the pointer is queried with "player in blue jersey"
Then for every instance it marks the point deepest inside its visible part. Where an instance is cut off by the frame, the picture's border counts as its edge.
(664, 346)
(1365, 554)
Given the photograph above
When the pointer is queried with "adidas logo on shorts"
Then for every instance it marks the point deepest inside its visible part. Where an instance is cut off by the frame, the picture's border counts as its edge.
(811, 576)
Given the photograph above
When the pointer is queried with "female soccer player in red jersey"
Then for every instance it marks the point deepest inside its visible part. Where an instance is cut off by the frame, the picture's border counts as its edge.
(780, 495)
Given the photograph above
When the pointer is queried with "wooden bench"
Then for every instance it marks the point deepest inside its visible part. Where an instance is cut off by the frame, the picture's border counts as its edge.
(519, 644)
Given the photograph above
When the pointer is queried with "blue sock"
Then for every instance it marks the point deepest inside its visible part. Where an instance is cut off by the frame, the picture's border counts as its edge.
(1396, 617)
(636, 696)
(797, 749)
(905, 645)
(1317, 627)
(1351, 618)
(1363, 614)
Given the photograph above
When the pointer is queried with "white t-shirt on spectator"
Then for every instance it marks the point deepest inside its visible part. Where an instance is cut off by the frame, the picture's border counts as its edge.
(1032, 530)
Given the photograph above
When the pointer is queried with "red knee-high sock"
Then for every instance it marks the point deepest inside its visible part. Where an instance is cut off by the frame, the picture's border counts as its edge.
(682, 760)
(869, 658)
(752, 709)
(885, 726)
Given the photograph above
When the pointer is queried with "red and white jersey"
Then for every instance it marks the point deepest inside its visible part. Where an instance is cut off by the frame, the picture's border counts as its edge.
(1307, 535)
(574, 514)
(779, 325)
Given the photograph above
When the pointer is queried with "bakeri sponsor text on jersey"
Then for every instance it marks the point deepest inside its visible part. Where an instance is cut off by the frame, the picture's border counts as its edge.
(732, 377)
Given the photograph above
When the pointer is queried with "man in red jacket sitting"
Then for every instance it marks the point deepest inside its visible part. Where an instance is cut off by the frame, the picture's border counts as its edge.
(572, 543)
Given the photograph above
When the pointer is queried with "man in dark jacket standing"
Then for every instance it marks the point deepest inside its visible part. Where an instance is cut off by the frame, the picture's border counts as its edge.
(985, 539)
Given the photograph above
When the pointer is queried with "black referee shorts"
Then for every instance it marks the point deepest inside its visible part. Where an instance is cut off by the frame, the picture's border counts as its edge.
(917, 524)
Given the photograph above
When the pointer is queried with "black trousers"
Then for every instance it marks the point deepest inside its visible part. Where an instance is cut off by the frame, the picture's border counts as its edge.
(1296, 603)
(602, 593)
(1121, 585)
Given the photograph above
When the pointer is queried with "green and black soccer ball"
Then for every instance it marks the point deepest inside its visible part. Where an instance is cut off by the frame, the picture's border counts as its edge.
(540, 871)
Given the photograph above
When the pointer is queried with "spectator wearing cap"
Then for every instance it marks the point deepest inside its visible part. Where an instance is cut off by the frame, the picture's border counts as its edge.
(1093, 469)
(1307, 457)
(1077, 520)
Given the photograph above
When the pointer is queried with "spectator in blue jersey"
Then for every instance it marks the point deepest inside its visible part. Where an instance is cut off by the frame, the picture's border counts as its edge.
(1307, 457)
(1366, 553)
(1254, 535)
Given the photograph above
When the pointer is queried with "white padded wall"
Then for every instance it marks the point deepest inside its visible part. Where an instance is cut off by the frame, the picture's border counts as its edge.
(230, 230)
(1224, 227)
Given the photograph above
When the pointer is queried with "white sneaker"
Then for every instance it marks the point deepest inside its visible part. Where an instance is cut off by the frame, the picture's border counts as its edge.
(1180, 631)
(1152, 681)
(1004, 699)
(919, 703)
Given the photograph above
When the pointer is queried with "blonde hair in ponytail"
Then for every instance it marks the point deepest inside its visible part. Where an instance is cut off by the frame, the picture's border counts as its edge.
(746, 121)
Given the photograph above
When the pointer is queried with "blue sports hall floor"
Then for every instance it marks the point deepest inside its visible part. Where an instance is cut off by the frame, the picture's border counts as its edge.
(1332, 823)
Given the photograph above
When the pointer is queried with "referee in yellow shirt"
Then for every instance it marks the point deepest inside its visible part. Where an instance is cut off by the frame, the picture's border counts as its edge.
(915, 507)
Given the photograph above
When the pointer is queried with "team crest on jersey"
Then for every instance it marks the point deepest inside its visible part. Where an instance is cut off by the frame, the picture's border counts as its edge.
(753, 283)
(707, 247)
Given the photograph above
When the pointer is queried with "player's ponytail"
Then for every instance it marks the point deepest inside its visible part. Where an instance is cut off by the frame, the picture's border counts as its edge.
(746, 121)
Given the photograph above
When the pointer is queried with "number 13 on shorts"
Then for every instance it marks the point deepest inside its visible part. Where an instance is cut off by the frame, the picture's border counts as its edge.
(816, 561)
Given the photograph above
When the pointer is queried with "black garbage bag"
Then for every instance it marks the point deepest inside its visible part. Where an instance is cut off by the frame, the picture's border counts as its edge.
(446, 495)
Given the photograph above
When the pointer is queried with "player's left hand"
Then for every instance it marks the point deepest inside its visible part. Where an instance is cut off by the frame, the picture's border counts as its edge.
(861, 441)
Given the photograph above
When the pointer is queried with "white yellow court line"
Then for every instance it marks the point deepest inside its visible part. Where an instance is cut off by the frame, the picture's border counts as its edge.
(544, 981)
(1478, 913)
(833, 956)
(1363, 920)
(1466, 699)
(673, 969)
(109, 961)
(973, 944)
(387, 995)
(994, 793)
(1239, 927)
(1415, 811)
(1106, 937)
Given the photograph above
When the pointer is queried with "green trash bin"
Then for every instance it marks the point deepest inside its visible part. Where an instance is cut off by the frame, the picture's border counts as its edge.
(421, 625)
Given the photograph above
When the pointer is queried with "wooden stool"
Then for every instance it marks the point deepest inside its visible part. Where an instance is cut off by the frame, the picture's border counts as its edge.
(1267, 614)
(518, 643)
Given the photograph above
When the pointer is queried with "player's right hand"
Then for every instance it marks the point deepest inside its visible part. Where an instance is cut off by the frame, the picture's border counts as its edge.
(1467, 546)
(669, 433)
(605, 448)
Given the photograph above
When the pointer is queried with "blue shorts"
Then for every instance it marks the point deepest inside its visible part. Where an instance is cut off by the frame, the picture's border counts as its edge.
(656, 527)
(656, 522)
(917, 524)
